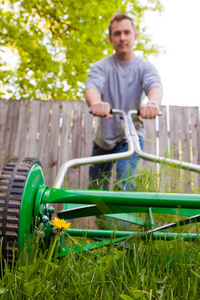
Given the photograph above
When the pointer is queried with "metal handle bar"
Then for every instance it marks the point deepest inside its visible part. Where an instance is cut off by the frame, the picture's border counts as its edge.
(137, 112)
(134, 112)
(155, 158)
(97, 159)
(133, 145)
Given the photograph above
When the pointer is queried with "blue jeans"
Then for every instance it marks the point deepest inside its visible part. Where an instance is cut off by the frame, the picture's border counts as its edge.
(99, 174)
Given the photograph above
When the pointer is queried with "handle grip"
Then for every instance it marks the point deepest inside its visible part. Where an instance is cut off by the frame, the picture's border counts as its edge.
(138, 113)
(111, 111)
(135, 112)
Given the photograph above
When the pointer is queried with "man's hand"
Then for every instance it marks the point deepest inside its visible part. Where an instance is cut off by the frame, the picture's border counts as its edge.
(148, 111)
(101, 109)
(97, 106)
(151, 110)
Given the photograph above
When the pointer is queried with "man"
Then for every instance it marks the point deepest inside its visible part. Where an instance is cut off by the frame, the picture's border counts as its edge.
(120, 81)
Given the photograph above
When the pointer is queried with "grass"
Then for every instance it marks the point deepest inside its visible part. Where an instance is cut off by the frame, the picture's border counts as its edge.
(143, 271)
(134, 269)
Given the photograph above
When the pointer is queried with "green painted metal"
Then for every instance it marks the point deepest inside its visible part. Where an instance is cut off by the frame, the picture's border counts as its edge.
(127, 234)
(108, 203)
(34, 179)
(121, 198)
(98, 233)
(83, 203)
(149, 219)
(119, 236)
(39, 209)
(176, 211)
(92, 210)
(97, 209)
(127, 218)
(76, 211)
(67, 206)
(91, 246)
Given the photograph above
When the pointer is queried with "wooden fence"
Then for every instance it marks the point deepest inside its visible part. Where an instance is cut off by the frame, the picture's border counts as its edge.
(57, 131)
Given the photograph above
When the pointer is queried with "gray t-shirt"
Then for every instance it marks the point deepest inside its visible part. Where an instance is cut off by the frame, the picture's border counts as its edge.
(123, 84)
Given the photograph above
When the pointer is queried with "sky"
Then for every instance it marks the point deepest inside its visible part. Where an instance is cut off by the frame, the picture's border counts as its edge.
(177, 30)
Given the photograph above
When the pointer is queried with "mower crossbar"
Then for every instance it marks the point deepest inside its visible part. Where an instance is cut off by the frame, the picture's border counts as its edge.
(107, 198)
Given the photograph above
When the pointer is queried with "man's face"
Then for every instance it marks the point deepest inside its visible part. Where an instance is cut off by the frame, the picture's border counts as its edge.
(123, 37)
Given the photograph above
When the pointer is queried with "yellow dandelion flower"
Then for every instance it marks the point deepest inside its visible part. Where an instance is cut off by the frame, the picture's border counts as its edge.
(87, 242)
(60, 223)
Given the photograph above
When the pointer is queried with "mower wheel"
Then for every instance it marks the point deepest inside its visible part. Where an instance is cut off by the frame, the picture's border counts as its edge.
(19, 179)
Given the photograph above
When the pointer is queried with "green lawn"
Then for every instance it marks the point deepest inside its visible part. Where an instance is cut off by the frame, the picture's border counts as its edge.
(132, 269)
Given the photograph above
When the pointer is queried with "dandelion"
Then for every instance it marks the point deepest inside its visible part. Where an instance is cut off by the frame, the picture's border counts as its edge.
(60, 223)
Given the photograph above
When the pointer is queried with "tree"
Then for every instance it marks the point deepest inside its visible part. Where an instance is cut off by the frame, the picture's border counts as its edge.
(52, 43)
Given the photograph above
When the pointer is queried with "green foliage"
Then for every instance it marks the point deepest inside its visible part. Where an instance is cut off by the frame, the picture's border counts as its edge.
(56, 41)
(144, 271)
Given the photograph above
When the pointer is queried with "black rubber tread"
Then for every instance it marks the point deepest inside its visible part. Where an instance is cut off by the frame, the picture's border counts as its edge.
(12, 183)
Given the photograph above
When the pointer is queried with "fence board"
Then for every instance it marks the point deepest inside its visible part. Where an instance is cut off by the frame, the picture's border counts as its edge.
(163, 132)
(11, 127)
(195, 129)
(65, 135)
(149, 141)
(43, 132)
(77, 129)
(4, 106)
(22, 128)
(174, 174)
(31, 142)
(185, 146)
(86, 148)
(163, 146)
(184, 134)
(52, 165)
(76, 144)
(174, 131)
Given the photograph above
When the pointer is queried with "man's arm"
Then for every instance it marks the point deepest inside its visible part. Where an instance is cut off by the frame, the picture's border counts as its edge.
(97, 106)
(151, 109)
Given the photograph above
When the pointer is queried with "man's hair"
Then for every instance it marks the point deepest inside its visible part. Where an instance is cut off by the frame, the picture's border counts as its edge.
(119, 17)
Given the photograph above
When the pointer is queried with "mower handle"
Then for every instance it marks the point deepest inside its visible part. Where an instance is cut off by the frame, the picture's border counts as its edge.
(101, 158)
(133, 145)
